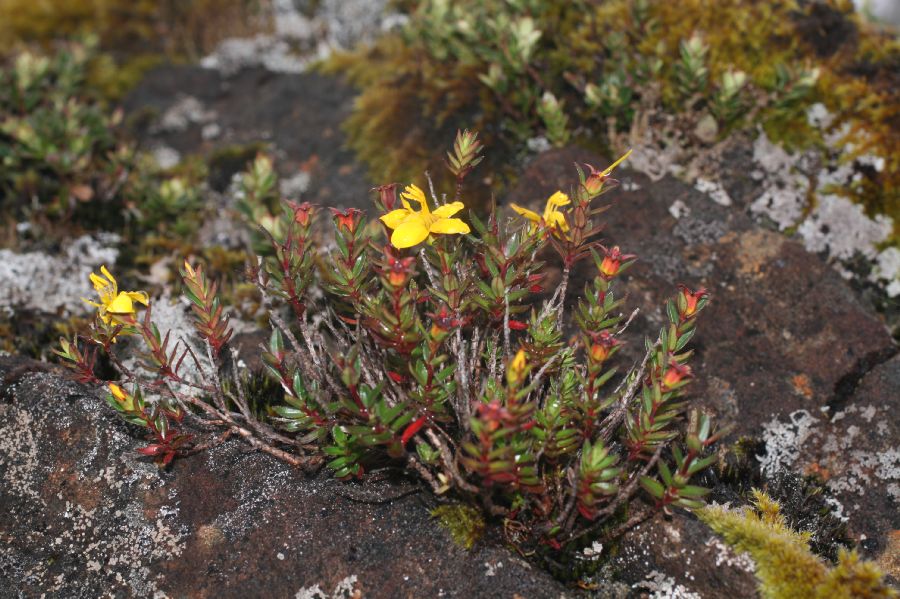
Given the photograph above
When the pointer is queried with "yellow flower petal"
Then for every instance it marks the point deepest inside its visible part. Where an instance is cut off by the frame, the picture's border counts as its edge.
(558, 199)
(532, 216)
(415, 193)
(139, 296)
(117, 391)
(610, 168)
(394, 218)
(99, 282)
(448, 210)
(557, 220)
(448, 226)
(109, 276)
(410, 233)
(121, 305)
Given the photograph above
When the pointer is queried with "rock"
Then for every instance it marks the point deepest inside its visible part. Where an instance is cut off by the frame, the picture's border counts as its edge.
(53, 284)
(83, 515)
(785, 340)
(297, 117)
(854, 448)
(680, 557)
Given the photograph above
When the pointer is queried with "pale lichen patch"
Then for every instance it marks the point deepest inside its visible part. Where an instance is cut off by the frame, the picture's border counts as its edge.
(19, 453)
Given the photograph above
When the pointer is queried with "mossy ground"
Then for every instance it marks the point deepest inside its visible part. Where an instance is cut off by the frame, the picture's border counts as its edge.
(418, 84)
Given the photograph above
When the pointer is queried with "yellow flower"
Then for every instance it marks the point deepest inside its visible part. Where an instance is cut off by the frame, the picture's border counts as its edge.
(552, 217)
(114, 304)
(124, 400)
(412, 228)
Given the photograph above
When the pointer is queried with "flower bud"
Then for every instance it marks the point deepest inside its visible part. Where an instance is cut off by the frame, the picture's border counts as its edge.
(612, 262)
(348, 219)
(302, 212)
(398, 271)
(689, 302)
(122, 398)
(388, 195)
(602, 346)
(517, 369)
(676, 374)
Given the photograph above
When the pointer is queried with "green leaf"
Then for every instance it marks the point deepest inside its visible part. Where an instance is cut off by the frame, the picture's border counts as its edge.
(653, 486)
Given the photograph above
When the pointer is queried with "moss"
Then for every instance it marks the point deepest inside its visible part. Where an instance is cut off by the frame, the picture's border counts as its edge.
(785, 566)
(806, 503)
(745, 64)
(464, 523)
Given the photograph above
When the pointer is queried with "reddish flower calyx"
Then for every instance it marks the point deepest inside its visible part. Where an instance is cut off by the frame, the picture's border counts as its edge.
(398, 270)
(347, 219)
(612, 262)
(493, 414)
(388, 195)
(689, 301)
(675, 375)
(602, 345)
(302, 212)
(444, 321)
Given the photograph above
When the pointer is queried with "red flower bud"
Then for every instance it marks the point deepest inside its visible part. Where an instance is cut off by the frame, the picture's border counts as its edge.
(517, 325)
(388, 195)
(302, 212)
(675, 374)
(612, 262)
(347, 219)
(398, 270)
(493, 414)
(602, 345)
(689, 301)
(595, 180)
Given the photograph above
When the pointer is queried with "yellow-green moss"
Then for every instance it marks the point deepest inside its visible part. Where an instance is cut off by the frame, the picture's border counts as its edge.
(464, 523)
(785, 566)
(603, 61)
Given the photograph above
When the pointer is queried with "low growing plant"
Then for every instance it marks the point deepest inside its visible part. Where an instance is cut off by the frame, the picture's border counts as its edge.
(426, 340)
(66, 165)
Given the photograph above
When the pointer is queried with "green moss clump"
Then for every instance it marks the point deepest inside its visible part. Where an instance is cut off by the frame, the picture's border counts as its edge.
(464, 523)
(591, 71)
(785, 566)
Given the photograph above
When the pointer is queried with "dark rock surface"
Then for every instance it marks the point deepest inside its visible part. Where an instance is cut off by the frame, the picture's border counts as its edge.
(297, 116)
(83, 515)
(786, 352)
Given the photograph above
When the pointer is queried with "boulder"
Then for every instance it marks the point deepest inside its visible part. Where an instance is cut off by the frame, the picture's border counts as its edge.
(786, 352)
(83, 515)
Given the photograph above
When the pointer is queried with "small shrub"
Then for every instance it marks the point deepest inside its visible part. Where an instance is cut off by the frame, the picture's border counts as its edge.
(66, 165)
(58, 148)
(432, 352)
